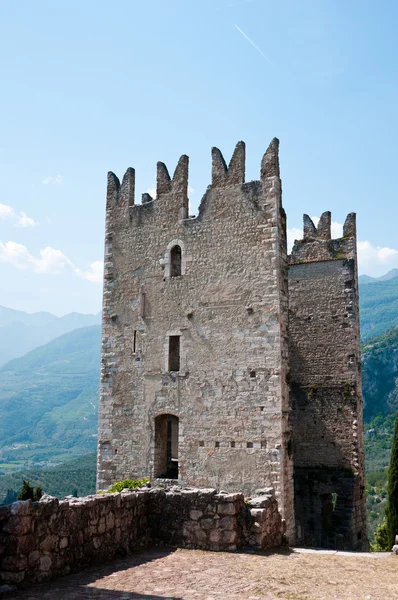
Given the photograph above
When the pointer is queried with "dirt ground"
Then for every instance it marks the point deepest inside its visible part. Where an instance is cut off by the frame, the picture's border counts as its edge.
(188, 574)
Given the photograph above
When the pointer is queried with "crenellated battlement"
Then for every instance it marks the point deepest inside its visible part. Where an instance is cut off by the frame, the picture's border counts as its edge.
(172, 192)
(317, 244)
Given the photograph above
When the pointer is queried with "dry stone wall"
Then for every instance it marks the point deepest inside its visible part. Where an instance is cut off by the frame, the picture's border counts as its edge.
(43, 540)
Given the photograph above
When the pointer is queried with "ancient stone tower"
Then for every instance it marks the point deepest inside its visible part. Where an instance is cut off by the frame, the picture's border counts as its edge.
(226, 363)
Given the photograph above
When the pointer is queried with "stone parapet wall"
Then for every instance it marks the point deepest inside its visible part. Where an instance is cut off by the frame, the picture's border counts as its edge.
(40, 541)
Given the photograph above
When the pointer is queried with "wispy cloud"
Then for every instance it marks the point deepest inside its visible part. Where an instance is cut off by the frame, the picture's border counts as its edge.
(25, 221)
(6, 211)
(255, 46)
(50, 261)
(22, 220)
(52, 180)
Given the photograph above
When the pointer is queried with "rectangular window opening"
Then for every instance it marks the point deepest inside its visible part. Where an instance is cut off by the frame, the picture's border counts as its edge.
(135, 341)
(174, 353)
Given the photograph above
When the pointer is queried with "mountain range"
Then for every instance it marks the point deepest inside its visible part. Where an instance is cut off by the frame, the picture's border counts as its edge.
(49, 401)
(21, 332)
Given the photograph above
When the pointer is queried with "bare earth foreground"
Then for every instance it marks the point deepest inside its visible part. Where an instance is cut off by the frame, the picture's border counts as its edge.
(187, 574)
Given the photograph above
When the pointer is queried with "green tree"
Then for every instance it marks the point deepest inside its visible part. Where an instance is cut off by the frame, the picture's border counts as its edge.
(29, 493)
(392, 492)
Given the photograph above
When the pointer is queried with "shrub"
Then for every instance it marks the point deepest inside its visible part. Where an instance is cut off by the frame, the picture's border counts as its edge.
(29, 493)
(381, 539)
(128, 484)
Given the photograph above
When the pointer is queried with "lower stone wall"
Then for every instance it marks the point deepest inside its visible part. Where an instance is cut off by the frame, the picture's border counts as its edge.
(43, 540)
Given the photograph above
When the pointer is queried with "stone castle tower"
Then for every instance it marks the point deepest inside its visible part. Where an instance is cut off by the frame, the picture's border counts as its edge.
(226, 363)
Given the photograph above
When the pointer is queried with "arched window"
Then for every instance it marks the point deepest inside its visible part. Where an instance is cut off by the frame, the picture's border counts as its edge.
(175, 261)
(166, 447)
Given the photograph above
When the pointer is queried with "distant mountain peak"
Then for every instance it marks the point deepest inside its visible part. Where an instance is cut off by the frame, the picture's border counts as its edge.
(364, 279)
(26, 331)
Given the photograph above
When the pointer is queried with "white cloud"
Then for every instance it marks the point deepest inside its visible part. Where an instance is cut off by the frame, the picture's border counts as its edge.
(372, 260)
(6, 211)
(52, 180)
(95, 274)
(376, 260)
(15, 254)
(49, 262)
(292, 234)
(25, 221)
(52, 262)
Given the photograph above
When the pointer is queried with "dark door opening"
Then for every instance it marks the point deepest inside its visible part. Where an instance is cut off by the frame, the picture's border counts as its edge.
(166, 447)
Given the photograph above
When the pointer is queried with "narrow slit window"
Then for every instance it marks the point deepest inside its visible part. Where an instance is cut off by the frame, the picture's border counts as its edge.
(175, 261)
(135, 341)
(174, 353)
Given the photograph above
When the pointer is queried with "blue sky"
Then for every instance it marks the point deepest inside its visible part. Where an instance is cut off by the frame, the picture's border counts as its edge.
(92, 86)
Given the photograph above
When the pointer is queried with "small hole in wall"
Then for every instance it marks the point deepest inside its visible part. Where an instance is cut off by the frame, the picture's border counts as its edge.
(263, 444)
(359, 535)
(249, 310)
(201, 444)
(217, 445)
(252, 374)
(113, 318)
(115, 450)
(249, 445)
(261, 408)
(232, 444)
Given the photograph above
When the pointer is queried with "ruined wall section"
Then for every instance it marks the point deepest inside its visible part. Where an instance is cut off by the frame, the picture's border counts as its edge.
(41, 541)
(226, 307)
(326, 394)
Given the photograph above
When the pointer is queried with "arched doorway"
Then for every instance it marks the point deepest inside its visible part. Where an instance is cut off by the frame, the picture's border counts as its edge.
(166, 447)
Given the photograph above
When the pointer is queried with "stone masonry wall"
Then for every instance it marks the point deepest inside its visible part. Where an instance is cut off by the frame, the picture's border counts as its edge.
(326, 394)
(228, 308)
(43, 540)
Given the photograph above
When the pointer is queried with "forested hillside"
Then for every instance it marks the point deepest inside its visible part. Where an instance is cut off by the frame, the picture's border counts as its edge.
(49, 401)
(378, 306)
(380, 392)
(75, 477)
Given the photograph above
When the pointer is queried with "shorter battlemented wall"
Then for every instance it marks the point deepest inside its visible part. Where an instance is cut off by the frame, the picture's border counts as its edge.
(40, 541)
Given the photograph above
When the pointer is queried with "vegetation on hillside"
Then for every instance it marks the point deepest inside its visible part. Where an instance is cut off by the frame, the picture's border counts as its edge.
(75, 477)
(380, 374)
(49, 402)
(378, 307)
